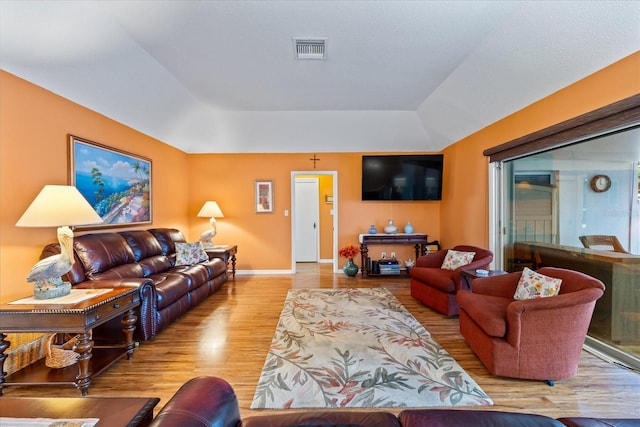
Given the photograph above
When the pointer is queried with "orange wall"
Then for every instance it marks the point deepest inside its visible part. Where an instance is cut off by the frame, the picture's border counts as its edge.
(34, 124)
(264, 240)
(465, 192)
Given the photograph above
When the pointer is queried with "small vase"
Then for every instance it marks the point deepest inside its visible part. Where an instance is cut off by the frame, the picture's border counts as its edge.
(408, 228)
(350, 268)
(390, 228)
(372, 229)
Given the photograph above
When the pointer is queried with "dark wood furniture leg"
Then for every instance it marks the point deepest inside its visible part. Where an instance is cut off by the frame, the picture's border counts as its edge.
(364, 255)
(4, 345)
(128, 327)
(83, 347)
(233, 265)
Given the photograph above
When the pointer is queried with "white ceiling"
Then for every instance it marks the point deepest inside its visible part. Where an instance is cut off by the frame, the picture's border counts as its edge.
(220, 76)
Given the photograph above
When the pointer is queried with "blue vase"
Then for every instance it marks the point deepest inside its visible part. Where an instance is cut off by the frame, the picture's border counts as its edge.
(350, 269)
(408, 228)
(372, 229)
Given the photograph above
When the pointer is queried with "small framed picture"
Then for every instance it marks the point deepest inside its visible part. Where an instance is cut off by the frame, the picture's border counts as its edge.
(264, 196)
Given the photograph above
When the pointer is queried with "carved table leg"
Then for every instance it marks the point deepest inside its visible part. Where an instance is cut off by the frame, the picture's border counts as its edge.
(4, 344)
(364, 255)
(83, 347)
(233, 266)
(128, 327)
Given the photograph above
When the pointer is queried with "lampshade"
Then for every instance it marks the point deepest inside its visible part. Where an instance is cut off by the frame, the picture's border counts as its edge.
(211, 210)
(58, 205)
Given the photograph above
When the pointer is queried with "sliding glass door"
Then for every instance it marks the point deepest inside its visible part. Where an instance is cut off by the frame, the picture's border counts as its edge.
(545, 202)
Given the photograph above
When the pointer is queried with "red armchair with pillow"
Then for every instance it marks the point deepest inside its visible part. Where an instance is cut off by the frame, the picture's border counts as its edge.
(529, 325)
(435, 278)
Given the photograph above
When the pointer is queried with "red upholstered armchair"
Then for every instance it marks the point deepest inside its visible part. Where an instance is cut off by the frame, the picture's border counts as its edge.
(538, 339)
(436, 287)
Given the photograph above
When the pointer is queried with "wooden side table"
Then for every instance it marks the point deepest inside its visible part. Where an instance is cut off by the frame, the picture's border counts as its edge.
(75, 318)
(470, 275)
(226, 253)
(112, 411)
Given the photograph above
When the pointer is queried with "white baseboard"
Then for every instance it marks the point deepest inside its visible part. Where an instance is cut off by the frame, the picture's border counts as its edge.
(254, 272)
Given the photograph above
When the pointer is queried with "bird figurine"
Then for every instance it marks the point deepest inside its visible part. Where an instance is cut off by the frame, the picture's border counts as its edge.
(206, 238)
(46, 273)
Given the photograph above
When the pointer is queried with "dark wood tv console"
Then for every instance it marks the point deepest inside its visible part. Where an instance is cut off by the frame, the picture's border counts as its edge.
(418, 240)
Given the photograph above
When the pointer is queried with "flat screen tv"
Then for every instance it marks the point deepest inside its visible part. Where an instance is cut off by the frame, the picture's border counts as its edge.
(402, 177)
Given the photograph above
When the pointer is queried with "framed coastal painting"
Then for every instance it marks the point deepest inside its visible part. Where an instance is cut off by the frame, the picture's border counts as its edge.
(116, 183)
(264, 196)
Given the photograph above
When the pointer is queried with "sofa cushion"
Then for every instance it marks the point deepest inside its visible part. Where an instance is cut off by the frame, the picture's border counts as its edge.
(197, 274)
(154, 265)
(190, 253)
(168, 237)
(324, 418)
(435, 277)
(142, 243)
(489, 312)
(535, 285)
(476, 418)
(99, 252)
(170, 287)
(124, 271)
(456, 259)
(216, 267)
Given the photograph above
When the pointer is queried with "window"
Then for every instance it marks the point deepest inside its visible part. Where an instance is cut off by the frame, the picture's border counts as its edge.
(545, 201)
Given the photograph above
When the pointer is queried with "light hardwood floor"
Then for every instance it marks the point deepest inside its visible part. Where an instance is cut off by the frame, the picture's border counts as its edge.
(228, 336)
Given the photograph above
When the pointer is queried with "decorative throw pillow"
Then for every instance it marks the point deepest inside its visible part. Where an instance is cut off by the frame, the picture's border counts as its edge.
(190, 253)
(535, 285)
(456, 259)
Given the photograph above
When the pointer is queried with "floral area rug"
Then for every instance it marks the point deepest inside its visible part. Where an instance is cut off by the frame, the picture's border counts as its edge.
(358, 348)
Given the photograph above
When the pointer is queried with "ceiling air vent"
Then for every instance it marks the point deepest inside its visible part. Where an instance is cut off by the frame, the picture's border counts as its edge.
(308, 48)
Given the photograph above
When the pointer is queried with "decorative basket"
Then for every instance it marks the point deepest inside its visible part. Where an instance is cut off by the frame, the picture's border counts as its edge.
(60, 356)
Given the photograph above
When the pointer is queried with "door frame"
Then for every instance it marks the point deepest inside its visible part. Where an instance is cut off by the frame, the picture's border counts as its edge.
(333, 174)
(309, 180)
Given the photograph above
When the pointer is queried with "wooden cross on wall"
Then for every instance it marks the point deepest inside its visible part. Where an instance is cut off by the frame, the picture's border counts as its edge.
(314, 159)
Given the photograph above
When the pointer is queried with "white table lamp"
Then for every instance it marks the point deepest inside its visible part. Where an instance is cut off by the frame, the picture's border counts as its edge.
(211, 210)
(59, 206)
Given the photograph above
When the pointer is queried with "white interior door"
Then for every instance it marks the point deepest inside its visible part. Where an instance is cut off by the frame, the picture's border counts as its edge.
(307, 219)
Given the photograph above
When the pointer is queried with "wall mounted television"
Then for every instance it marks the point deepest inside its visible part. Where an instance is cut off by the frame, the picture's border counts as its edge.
(402, 177)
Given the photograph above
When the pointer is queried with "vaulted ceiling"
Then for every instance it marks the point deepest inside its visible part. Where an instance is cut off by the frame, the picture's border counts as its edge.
(220, 76)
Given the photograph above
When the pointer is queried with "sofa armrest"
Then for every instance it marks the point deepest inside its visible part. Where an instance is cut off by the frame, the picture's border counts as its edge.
(503, 285)
(531, 315)
(133, 282)
(201, 402)
(146, 326)
(431, 260)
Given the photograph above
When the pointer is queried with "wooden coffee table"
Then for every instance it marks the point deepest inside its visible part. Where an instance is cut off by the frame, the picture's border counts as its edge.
(112, 411)
(75, 318)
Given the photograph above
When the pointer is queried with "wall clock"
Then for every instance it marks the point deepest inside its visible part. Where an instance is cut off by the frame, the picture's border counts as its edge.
(600, 183)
